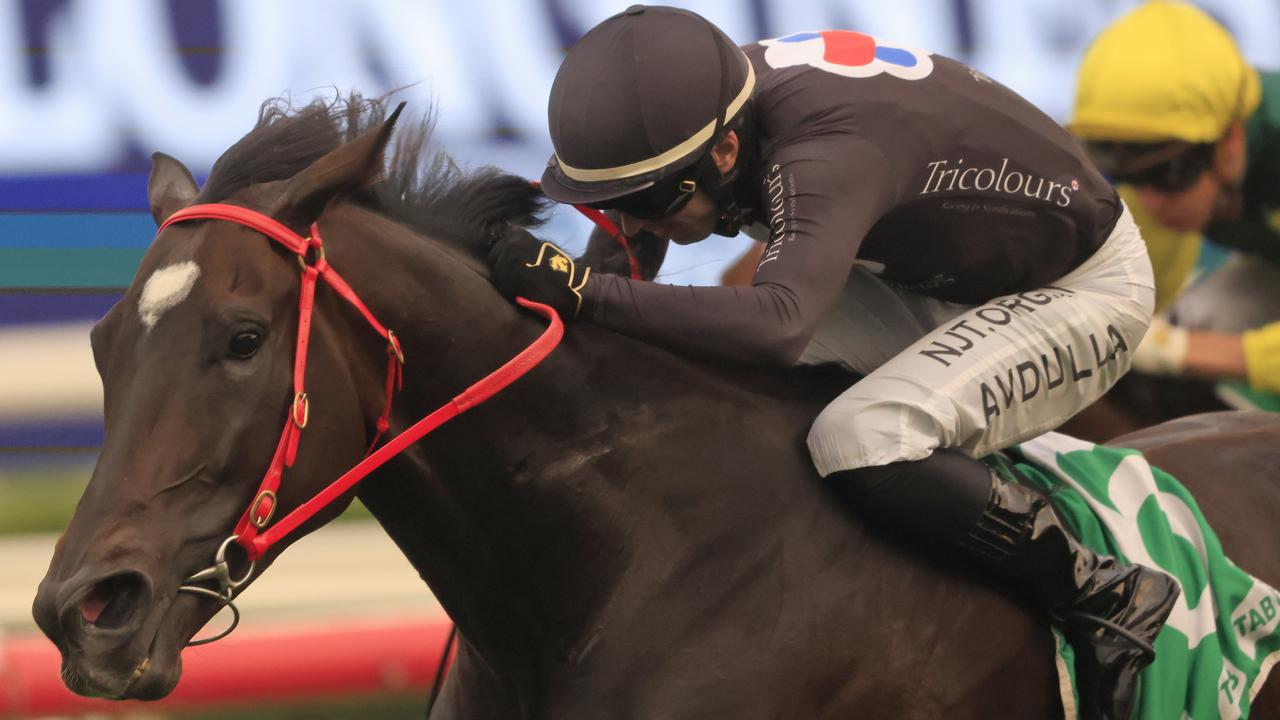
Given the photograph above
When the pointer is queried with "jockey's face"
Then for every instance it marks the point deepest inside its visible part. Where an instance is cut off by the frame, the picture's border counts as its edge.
(693, 223)
(699, 217)
(1209, 198)
(1188, 210)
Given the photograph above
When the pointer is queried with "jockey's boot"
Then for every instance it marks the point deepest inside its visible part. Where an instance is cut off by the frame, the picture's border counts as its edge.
(1109, 612)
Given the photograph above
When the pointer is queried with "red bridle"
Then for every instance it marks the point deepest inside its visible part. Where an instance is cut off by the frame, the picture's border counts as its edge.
(251, 532)
(611, 229)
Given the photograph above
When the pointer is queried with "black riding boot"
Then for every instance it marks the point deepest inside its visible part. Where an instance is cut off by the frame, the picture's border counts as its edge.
(1109, 612)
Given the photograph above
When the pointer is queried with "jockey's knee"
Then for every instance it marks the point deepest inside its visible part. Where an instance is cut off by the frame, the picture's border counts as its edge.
(867, 427)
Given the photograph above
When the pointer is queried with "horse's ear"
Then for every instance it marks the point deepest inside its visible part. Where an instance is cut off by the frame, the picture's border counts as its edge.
(354, 165)
(171, 187)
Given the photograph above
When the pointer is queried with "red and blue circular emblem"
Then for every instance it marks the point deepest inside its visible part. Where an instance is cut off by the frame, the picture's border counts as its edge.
(847, 53)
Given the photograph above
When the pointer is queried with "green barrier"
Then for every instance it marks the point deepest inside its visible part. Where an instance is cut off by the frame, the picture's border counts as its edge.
(41, 499)
(61, 267)
(72, 250)
(1242, 397)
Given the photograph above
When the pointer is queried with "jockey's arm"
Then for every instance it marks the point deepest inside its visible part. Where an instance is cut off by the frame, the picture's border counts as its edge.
(1253, 355)
(1215, 355)
(824, 206)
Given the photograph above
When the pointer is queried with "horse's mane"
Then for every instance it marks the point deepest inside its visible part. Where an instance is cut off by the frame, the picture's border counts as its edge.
(423, 187)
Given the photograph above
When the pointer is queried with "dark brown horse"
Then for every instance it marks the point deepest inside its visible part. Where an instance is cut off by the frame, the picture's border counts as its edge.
(1138, 401)
(622, 533)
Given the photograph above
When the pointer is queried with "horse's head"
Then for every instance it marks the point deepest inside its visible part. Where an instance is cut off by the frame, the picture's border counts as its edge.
(197, 365)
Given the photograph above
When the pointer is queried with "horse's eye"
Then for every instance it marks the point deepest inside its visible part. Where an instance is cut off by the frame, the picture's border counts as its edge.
(244, 344)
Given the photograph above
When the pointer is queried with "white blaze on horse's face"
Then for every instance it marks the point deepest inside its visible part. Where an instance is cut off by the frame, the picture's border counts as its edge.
(166, 287)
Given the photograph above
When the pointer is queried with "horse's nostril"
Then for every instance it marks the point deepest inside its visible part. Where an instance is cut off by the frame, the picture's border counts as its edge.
(111, 601)
(93, 604)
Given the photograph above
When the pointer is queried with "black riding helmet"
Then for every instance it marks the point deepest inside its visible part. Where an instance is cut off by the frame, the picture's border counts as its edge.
(636, 106)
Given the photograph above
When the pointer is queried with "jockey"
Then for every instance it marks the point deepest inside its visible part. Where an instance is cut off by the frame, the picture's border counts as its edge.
(926, 227)
(1170, 109)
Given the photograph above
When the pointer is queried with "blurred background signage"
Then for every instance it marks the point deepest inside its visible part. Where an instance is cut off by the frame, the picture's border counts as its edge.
(90, 88)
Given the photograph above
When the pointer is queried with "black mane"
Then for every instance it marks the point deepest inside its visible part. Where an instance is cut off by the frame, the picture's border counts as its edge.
(423, 187)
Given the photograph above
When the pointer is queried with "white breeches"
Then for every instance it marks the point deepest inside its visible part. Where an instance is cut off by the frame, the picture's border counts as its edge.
(981, 378)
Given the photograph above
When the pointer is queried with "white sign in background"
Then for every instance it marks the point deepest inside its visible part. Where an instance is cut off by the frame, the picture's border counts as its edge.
(115, 73)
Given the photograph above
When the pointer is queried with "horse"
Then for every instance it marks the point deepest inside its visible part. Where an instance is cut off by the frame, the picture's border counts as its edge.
(624, 532)
(1138, 401)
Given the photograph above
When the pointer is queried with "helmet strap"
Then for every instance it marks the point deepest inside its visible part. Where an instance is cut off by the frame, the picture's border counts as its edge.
(724, 189)
(720, 187)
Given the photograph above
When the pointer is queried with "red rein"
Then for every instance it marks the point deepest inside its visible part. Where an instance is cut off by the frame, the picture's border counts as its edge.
(603, 222)
(611, 229)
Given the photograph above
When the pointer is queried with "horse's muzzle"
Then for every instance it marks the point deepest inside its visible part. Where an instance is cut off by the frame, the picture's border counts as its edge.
(97, 626)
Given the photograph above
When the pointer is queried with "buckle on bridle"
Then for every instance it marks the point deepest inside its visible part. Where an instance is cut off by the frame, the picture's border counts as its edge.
(301, 399)
(393, 346)
(257, 520)
(310, 257)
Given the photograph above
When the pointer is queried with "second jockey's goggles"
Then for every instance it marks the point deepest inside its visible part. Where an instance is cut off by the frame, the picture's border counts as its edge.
(1167, 167)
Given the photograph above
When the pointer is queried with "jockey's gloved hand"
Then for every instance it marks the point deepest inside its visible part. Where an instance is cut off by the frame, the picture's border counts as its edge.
(537, 270)
(1163, 350)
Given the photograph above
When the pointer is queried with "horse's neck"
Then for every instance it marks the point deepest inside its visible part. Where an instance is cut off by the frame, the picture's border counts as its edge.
(477, 507)
(553, 510)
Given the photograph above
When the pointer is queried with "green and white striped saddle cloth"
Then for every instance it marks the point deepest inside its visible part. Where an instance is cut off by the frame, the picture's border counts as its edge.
(1222, 637)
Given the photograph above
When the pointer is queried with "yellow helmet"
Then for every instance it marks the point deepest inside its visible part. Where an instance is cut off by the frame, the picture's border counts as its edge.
(1166, 71)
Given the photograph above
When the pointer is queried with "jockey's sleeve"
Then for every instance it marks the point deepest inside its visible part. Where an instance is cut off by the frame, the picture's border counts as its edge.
(819, 204)
(1262, 357)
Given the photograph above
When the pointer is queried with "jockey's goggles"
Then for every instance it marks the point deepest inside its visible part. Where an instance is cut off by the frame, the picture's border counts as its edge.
(1169, 167)
(658, 201)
